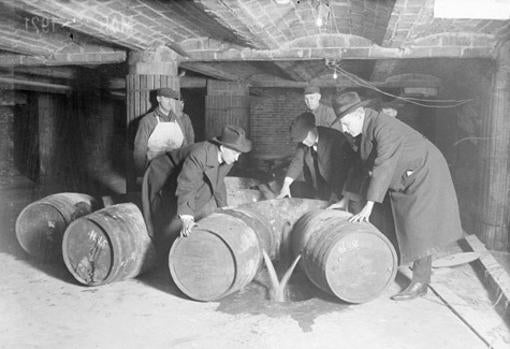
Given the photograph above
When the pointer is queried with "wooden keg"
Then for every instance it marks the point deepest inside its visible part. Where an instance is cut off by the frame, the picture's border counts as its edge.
(108, 245)
(40, 226)
(221, 256)
(224, 251)
(353, 261)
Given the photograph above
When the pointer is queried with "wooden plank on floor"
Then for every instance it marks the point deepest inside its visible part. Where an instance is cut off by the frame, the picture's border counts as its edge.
(494, 276)
(490, 330)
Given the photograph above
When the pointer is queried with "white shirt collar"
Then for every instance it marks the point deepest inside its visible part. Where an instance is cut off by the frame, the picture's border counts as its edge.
(220, 159)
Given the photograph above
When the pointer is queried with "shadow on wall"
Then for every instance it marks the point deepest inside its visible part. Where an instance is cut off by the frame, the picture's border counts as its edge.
(26, 138)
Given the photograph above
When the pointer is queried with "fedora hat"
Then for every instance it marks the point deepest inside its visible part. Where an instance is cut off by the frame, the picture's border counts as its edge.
(347, 102)
(301, 125)
(234, 137)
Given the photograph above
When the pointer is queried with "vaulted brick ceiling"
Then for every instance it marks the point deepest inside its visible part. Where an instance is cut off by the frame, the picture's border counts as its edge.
(207, 33)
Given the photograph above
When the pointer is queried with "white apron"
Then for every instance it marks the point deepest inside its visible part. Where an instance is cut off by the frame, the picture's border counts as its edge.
(166, 136)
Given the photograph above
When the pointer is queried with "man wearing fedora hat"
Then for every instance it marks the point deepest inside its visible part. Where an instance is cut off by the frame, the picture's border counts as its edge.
(413, 172)
(166, 128)
(323, 156)
(188, 183)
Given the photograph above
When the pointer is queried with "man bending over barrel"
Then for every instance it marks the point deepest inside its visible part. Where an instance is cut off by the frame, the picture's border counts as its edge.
(187, 184)
(323, 155)
(414, 173)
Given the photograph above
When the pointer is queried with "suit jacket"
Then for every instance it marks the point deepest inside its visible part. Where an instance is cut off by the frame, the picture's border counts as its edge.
(415, 174)
(334, 156)
(201, 180)
(145, 128)
(182, 181)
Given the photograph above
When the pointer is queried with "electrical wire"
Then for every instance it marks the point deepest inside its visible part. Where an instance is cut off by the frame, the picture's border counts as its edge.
(417, 101)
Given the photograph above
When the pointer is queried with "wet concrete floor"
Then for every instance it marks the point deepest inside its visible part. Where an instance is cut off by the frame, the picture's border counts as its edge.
(43, 307)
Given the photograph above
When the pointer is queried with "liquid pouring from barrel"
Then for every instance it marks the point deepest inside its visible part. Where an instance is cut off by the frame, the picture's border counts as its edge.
(224, 251)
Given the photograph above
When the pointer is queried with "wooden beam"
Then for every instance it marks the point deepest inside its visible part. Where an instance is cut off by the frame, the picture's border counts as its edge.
(268, 81)
(493, 275)
(213, 72)
(53, 72)
(91, 58)
(320, 53)
(13, 83)
(185, 82)
(293, 70)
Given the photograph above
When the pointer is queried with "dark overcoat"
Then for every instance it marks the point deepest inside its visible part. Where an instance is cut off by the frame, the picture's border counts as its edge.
(188, 180)
(416, 176)
(334, 158)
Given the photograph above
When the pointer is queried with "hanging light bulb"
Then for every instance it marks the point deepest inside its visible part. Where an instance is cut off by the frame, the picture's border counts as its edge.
(318, 22)
(335, 75)
(322, 13)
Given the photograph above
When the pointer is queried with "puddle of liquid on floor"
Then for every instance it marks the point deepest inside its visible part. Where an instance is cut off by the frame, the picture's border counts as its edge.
(304, 302)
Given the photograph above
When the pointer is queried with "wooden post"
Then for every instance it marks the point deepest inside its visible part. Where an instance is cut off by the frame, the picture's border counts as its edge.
(148, 71)
(496, 158)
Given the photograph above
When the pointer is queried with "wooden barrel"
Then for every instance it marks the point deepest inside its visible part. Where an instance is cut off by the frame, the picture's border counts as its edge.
(40, 226)
(224, 251)
(221, 256)
(353, 261)
(108, 245)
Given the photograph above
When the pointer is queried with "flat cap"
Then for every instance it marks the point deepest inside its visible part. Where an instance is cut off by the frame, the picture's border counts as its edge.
(312, 89)
(168, 92)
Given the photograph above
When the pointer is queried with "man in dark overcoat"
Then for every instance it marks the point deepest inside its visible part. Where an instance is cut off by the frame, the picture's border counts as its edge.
(407, 166)
(187, 184)
(323, 155)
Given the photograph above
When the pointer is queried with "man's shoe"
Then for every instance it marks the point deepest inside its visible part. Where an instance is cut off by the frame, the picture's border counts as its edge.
(414, 290)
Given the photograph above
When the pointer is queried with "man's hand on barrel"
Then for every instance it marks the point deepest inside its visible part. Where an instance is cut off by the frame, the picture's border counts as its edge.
(188, 222)
(364, 214)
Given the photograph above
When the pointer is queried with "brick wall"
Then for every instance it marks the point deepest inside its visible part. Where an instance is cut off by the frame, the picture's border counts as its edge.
(270, 116)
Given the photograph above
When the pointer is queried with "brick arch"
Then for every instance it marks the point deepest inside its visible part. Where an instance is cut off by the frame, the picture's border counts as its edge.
(325, 40)
(460, 39)
(207, 44)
